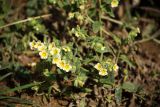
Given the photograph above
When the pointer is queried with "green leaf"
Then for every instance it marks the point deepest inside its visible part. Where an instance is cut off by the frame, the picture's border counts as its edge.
(76, 83)
(6, 6)
(109, 80)
(2, 23)
(52, 1)
(96, 26)
(130, 87)
(88, 60)
(116, 39)
(109, 11)
(87, 90)
(60, 4)
(6, 75)
(80, 80)
(132, 34)
(18, 88)
(17, 100)
(43, 65)
(125, 59)
(98, 47)
(82, 103)
(5, 65)
(118, 95)
(30, 12)
(108, 1)
(77, 63)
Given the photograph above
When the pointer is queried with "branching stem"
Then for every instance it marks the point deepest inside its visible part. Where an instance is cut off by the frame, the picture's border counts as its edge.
(25, 20)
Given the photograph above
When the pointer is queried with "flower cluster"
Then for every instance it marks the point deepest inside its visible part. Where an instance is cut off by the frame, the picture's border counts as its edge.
(77, 15)
(49, 50)
(62, 64)
(101, 69)
(110, 66)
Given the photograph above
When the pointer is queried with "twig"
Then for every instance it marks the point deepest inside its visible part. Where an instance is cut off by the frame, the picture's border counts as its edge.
(106, 32)
(25, 20)
(118, 22)
(150, 9)
(6, 75)
(156, 40)
(156, 34)
(112, 20)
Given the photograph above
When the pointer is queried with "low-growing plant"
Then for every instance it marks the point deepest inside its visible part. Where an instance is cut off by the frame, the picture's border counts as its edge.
(86, 57)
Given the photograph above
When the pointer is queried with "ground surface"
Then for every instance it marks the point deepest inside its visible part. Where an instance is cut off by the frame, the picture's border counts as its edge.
(146, 73)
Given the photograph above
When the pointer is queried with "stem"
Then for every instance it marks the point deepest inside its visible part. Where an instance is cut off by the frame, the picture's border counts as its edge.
(101, 57)
(106, 32)
(118, 22)
(25, 20)
(156, 34)
(112, 20)
(156, 40)
(6, 75)
(100, 31)
(116, 61)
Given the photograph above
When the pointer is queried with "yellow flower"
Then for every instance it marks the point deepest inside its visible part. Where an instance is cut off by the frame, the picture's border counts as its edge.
(56, 60)
(39, 43)
(115, 67)
(43, 54)
(61, 64)
(35, 88)
(70, 15)
(82, 7)
(138, 30)
(114, 3)
(66, 49)
(51, 46)
(32, 45)
(77, 34)
(67, 67)
(80, 83)
(80, 17)
(103, 48)
(103, 72)
(55, 51)
(41, 47)
(33, 64)
(109, 61)
(98, 66)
